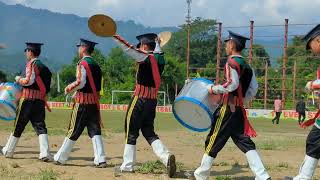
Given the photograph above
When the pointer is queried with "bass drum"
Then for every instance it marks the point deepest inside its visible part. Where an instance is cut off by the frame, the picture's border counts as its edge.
(9, 97)
(194, 106)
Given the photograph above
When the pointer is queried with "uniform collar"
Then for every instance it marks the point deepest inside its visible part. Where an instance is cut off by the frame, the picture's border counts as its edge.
(32, 60)
(86, 57)
(236, 56)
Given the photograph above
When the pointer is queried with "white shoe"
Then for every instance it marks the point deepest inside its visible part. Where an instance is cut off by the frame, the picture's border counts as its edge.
(307, 168)
(8, 150)
(63, 154)
(98, 149)
(129, 158)
(45, 154)
(165, 156)
(203, 172)
(161, 151)
(256, 165)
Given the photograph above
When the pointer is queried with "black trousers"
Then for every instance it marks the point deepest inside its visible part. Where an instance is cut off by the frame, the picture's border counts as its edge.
(33, 111)
(227, 124)
(277, 118)
(302, 117)
(140, 116)
(313, 143)
(84, 115)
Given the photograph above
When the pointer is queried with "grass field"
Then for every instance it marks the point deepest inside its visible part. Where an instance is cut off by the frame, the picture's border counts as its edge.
(281, 147)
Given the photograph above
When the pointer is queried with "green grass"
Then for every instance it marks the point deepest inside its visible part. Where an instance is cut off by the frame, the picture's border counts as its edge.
(223, 178)
(151, 167)
(58, 120)
(47, 174)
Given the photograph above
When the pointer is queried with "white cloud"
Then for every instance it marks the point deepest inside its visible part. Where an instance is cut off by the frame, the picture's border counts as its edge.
(173, 12)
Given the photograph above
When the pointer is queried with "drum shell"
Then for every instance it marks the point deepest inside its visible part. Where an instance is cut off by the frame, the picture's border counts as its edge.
(9, 97)
(194, 106)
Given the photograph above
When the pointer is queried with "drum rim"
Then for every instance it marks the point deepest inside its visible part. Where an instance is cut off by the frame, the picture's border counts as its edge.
(9, 104)
(12, 84)
(195, 101)
(7, 119)
(207, 81)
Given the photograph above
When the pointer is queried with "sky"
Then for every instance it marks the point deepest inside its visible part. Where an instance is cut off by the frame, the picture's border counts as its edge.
(173, 12)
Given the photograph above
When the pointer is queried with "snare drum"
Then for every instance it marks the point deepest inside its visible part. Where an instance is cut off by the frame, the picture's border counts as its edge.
(194, 106)
(9, 97)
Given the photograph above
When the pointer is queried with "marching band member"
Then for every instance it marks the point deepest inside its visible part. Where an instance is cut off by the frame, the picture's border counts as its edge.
(230, 118)
(312, 156)
(86, 111)
(31, 106)
(142, 109)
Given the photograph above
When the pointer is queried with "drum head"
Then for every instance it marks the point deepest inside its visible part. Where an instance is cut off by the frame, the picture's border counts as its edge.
(194, 106)
(7, 111)
(192, 114)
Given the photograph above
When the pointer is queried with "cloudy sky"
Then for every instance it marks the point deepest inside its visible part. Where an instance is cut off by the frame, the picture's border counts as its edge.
(173, 12)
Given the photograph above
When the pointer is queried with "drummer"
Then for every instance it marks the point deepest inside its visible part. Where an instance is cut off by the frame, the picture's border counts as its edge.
(142, 109)
(32, 104)
(230, 119)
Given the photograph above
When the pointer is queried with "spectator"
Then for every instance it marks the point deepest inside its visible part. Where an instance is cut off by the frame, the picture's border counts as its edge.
(277, 109)
(301, 109)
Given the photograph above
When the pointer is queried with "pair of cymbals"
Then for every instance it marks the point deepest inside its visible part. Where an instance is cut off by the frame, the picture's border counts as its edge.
(105, 26)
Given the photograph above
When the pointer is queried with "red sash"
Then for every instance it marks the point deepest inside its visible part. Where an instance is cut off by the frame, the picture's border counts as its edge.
(155, 71)
(93, 87)
(248, 129)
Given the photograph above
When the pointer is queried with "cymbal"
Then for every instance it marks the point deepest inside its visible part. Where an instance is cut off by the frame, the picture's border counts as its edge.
(102, 25)
(164, 37)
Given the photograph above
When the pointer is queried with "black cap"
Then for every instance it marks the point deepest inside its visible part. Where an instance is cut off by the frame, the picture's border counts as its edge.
(311, 35)
(146, 38)
(84, 42)
(237, 38)
(33, 46)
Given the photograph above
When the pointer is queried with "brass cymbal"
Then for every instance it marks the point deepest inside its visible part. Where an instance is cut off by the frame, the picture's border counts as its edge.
(102, 25)
(164, 37)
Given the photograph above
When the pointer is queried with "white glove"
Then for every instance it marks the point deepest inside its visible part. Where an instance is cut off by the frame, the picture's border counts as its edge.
(65, 91)
(209, 88)
(308, 86)
(187, 81)
(17, 78)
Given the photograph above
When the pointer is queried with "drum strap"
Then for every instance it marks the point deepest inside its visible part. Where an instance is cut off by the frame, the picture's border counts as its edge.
(93, 87)
(41, 85)
(155, 71)
(248, 129)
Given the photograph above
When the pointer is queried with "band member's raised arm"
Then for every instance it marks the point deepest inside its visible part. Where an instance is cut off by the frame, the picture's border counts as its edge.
(80, 81)
(130, 50)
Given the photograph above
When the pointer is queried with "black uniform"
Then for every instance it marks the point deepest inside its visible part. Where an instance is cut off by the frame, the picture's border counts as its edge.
(85, 112)
(32, 103)
(142, 108)
(228, 120)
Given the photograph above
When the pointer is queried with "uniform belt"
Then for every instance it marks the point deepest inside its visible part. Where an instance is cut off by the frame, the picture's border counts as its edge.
(31, 94)
(145, 92)
(84, 98)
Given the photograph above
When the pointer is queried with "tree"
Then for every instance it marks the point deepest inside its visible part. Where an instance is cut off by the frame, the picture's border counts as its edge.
(173, 74)
(119, 74)
(203, 40)
(3, 77)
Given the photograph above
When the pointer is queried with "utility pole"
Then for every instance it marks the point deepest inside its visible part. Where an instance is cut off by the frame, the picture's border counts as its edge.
(188, 20)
